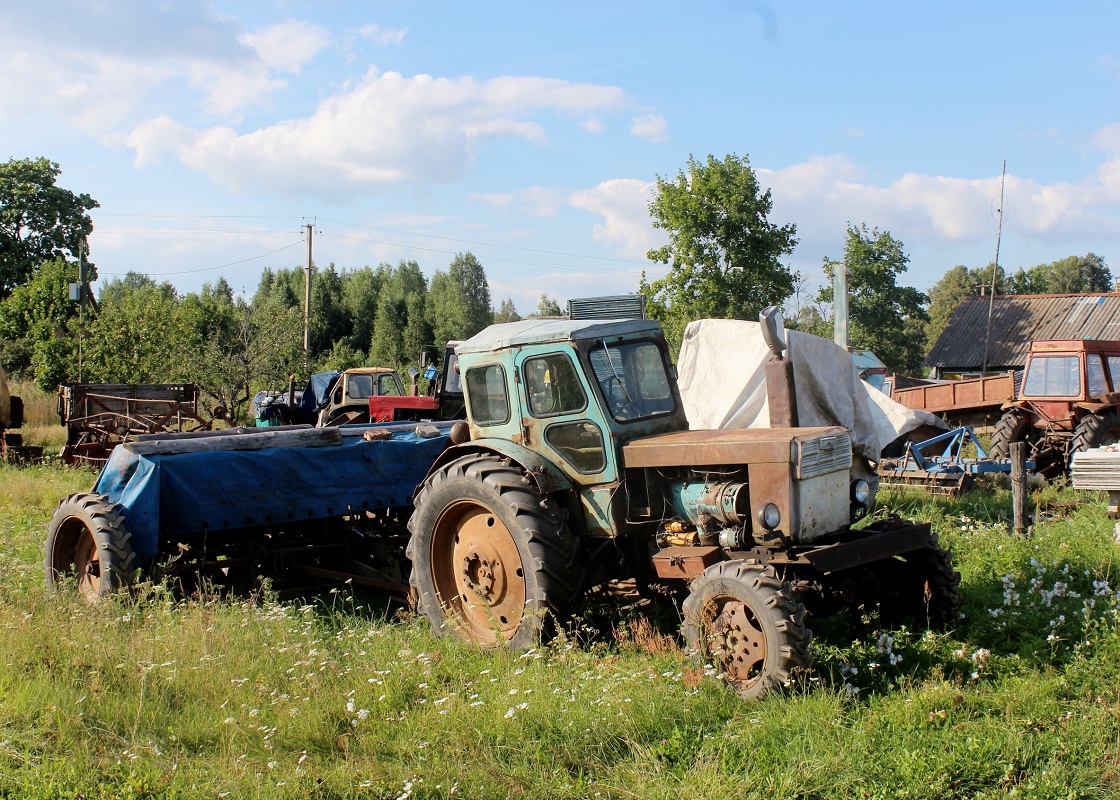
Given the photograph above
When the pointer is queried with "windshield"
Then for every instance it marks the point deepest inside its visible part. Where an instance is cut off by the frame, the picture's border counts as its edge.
(1053, 376)
(633, 379)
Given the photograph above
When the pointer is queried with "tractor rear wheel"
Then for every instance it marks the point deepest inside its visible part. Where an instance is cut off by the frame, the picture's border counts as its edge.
(492, 558)
(88, 542)
(930, 593)
(743, 619)
(1013, 426)
(1094, 430)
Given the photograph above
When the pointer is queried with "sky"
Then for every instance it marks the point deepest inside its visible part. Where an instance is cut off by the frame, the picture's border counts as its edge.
(211, 133)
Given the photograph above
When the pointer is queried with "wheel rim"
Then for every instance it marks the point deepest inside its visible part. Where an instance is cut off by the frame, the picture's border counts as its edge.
(735, 640)
(478, 574)
(77, 554)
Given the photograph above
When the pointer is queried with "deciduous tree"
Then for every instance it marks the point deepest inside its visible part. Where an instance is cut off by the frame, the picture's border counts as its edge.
(38, 220)
(883, 317)
(724, 253)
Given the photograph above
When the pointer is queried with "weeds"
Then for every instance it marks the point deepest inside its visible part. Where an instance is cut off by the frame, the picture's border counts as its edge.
(154, 696)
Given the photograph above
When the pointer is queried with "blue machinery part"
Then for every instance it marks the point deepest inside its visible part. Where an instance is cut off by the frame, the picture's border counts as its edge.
(937, 462)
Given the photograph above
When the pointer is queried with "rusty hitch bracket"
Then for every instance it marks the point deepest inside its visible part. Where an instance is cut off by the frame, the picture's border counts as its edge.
(876, 546)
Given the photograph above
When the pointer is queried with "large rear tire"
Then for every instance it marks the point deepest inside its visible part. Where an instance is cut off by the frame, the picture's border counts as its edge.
(1094, 430)
(89, 544)
(742, 618)
(492, 559)
(1013, 426)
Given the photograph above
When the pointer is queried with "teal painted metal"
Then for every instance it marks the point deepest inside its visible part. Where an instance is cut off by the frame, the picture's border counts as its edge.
(700, 502)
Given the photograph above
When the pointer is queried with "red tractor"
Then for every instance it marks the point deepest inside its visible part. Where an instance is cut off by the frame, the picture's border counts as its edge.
(1068, 402)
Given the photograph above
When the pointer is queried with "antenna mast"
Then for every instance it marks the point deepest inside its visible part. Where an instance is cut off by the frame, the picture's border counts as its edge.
(995, 269)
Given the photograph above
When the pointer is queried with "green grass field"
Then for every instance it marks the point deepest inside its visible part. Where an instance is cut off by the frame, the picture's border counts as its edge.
(154, 697)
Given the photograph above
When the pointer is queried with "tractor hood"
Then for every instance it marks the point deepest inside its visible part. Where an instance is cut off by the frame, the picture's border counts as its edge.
(812, 451)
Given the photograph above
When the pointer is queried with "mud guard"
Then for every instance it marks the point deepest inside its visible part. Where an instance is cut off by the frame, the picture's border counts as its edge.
(546, 475)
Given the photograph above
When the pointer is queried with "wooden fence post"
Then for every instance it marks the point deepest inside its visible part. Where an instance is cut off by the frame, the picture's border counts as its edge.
(1019, 504)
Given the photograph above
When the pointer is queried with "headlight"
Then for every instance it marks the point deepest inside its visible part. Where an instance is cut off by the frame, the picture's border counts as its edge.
(860, 491)
(769, 517)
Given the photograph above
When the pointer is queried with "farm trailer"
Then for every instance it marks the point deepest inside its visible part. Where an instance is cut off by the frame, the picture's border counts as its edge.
(99, 416)
(575, 471)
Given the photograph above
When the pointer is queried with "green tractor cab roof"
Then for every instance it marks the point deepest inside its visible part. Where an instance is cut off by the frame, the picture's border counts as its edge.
(537, 331)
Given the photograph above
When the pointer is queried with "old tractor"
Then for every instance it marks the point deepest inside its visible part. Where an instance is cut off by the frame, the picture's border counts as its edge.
(580, 473)
(1068, 402)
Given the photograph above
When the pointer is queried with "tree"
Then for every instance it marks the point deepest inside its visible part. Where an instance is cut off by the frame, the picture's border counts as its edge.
(725, 255)
(507, 312)
(136, 337)
(38, 220)
(402, 327)
(459, 300)
(1069, 275)
(38, 326)
(547, 307)
(955, 285)
(883, 317)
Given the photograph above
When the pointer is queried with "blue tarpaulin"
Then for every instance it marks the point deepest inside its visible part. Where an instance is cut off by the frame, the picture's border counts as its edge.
(224, 490)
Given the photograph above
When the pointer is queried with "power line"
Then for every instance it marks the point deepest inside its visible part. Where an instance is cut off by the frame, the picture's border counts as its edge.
(220, 266)
(483, 244)
(561, 267)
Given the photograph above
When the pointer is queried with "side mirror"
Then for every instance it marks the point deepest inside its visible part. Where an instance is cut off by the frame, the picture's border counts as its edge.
(773, 329)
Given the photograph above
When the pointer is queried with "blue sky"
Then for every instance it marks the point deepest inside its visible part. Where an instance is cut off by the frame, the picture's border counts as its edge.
(211, 131)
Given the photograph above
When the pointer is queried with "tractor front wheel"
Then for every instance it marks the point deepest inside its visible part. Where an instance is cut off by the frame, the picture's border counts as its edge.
(743, 619)
(1013, 426)
(492, 559)
(88, 543)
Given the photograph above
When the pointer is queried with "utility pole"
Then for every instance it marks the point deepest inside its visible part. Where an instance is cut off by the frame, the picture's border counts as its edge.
(840, 276)
(307, 302)
(995, 271)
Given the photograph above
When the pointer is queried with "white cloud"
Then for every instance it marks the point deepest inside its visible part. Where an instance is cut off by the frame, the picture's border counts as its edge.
(623, 203)
(535, 201)
(379, 35)
(289, 45)
(387, 129)
(97, 64)
(592, 125)
(650, 126)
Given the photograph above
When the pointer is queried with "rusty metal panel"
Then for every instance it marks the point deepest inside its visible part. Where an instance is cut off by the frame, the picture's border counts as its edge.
(685, 562)
(720, 447)
(1016, 321)
(895, 541)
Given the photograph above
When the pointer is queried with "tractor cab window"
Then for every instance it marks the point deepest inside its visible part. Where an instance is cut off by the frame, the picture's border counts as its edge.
(387, 385)
(1095, 375)
(1053, 376)
(451, 381)
(359, 387)
(553, 386)
(633, 379)
(486, 391)
(1114, 372)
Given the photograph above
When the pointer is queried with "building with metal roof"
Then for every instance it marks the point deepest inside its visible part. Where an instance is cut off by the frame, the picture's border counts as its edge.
(1017, 320)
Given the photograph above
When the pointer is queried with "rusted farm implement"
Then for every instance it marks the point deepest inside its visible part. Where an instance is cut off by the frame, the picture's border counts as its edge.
(99, 416)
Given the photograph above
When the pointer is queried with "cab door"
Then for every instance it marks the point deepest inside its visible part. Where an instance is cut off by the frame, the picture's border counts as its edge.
(563, 423)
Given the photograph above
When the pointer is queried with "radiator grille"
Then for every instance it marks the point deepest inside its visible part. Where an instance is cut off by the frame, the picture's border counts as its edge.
(823, 454)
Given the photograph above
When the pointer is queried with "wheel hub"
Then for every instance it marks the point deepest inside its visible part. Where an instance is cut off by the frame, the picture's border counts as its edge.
(737, 642)
(479, 575)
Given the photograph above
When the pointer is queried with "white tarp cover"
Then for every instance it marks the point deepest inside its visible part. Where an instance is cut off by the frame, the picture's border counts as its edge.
(722, 378)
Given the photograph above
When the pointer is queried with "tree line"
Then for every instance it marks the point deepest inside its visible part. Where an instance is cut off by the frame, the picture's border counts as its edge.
(725, 259)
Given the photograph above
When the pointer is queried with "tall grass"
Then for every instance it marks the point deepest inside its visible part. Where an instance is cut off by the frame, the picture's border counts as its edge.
(152, 696)
(41, 425)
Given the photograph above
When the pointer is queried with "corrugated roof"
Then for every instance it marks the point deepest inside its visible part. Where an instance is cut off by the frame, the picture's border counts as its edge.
(1016, 321)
